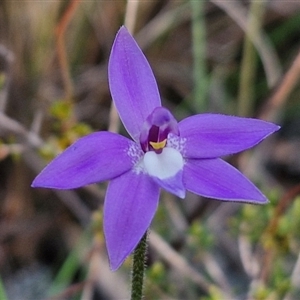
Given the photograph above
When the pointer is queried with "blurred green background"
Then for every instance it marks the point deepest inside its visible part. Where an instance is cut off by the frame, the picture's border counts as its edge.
(234, 57)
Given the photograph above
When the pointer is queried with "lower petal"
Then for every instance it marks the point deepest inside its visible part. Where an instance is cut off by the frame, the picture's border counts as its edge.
(130, 204)
(214, 178)
(166, 169)
(173, 184)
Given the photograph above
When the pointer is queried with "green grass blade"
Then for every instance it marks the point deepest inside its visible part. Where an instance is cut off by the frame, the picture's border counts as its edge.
(199, 55)
(3, 295)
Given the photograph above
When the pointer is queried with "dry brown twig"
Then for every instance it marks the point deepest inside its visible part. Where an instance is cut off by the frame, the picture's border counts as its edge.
(61, 47)
(273, 106)
(163, 22)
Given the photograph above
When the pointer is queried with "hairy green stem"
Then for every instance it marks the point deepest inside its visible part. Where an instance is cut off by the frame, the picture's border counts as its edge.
(138, 269)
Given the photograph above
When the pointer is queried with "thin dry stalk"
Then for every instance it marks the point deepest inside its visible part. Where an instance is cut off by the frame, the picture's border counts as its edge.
(249, 61)
(163, 22)
(267, 54)
(60, 31)
(291, 78)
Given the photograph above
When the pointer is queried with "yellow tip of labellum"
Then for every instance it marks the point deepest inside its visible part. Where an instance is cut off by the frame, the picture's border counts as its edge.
(158, 145)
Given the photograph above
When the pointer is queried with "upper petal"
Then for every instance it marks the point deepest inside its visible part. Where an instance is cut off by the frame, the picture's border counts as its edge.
(213, 135)
(96, 157)
(132, 83)
(130, 204)
(214, 178)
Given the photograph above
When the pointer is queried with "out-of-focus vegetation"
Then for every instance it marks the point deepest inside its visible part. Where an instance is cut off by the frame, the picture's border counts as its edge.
(234, 57)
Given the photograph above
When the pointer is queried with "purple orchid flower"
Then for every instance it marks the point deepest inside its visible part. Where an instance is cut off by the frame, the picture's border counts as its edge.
(163, 154)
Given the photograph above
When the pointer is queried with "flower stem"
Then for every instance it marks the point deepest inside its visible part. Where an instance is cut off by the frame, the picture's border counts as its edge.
(138, 269)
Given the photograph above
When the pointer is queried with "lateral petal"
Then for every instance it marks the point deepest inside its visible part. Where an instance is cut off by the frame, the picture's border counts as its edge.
(213, 135)
(130, 204)
(214, 178)
(96, 157)
(132, 83)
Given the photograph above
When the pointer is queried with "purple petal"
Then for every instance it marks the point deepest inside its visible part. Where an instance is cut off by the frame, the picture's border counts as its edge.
(213, 135)
(214, 178)
(130, 204)
(173, 184)
(96, 157)
(132, 83)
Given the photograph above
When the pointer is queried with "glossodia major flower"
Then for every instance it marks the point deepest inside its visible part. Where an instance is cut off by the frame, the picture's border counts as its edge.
(163, 153)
